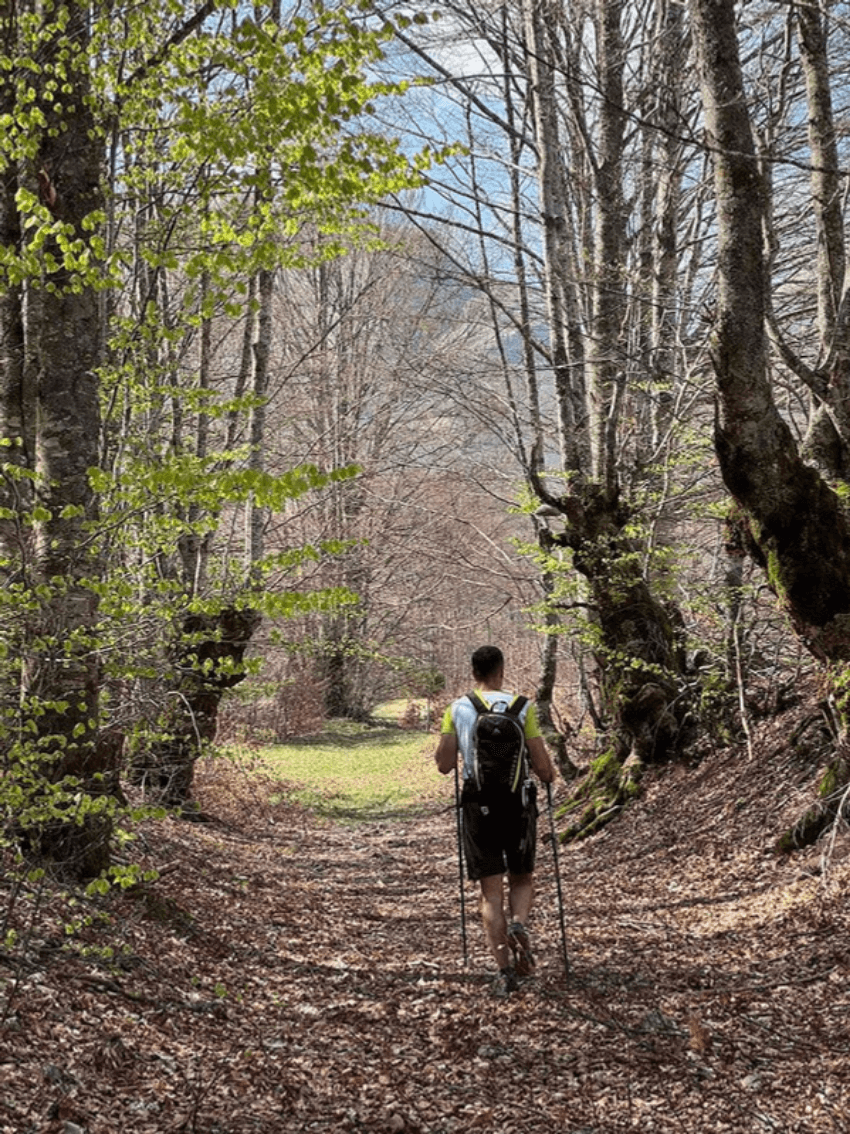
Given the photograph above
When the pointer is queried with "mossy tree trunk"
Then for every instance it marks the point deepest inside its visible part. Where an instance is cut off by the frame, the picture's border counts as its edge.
(208, 661)
(791, 519)
(208, 651)
(830, 804)
(639, 656)
(795, 523)
(593, 355)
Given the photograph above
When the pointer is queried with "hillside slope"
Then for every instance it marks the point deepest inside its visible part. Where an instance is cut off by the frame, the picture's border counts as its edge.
(289, 974)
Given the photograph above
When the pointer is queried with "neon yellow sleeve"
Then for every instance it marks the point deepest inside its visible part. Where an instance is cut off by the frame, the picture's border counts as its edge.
(532, 728)
(447, 726)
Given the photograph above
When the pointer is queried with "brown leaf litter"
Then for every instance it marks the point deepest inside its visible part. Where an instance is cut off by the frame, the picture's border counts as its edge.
(290, 974)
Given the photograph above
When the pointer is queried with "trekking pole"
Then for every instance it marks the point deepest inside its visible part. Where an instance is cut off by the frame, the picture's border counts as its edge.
(460, 868)
(554, 839)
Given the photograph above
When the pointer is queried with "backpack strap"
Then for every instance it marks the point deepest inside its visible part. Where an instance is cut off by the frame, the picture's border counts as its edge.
(477, 703)
(516, 706)
(513, 710)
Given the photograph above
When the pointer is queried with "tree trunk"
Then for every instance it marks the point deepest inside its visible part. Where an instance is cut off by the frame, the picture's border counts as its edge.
(560, 300)
(52, 348)
(208, 661)
(794, 523)
(639, 656)
(210, 647)
(255, 516)
(637, 652)
(606, 355)
(545, 695)
(794, 518)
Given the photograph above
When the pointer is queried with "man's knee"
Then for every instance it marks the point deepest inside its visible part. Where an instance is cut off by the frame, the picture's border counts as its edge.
(491, 889)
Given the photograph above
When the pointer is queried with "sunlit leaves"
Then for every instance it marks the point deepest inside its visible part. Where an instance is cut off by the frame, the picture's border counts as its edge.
(246, 111)
(243, 131)
(210, 483)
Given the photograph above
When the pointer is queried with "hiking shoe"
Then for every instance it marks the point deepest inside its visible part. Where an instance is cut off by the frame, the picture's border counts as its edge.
(520, 942)
(506, 982)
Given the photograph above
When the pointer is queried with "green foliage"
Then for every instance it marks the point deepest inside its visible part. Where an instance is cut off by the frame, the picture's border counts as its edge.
(236, 146)
(826, 810)
(839, 683)
(716, 706)
(126, 876)
(239, 106)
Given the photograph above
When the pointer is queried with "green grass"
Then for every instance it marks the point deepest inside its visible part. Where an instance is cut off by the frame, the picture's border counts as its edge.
(356, 772)
(393, 711)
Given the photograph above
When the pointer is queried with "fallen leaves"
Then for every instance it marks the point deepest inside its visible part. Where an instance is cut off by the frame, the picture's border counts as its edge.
(287, 974)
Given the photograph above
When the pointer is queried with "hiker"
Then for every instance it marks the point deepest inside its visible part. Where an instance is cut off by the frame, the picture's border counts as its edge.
(500, 824)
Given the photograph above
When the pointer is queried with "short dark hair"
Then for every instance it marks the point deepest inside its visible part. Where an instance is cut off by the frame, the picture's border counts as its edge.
(486, 661)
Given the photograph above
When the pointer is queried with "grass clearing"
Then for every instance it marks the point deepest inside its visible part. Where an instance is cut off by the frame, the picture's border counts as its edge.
(353, 772)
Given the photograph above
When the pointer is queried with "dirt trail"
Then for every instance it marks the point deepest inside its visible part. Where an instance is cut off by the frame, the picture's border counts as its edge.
(292, 975)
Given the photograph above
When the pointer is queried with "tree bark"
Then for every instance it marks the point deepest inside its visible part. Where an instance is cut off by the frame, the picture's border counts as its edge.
(793, 517)
(560, 301)
(207, 661)
(52, 348)
(545, 696)
(16, 418)
(637, 652)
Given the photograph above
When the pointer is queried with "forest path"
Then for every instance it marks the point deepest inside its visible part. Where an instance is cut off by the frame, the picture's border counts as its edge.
(292, 974)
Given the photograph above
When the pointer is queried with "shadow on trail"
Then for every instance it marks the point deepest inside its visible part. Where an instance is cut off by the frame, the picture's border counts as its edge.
(664, 1024)
(341, 807)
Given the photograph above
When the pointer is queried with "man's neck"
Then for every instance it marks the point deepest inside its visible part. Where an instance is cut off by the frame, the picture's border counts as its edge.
(492, 685)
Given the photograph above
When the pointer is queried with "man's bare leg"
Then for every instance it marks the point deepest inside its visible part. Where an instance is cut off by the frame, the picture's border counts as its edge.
(520, 896)
(493, 917)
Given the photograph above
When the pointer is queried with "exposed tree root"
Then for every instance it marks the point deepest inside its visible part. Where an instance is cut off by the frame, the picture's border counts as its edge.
(601, 795)
(831, 802)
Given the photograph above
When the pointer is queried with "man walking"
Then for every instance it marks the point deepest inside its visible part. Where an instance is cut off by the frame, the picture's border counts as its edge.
(499, 829)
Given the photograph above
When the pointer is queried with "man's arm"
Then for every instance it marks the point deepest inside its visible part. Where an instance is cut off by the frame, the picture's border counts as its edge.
(538, 753)
(541, 761)
(446, 754)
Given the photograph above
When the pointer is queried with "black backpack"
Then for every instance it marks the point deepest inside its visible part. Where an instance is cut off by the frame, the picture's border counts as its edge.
(500, 759)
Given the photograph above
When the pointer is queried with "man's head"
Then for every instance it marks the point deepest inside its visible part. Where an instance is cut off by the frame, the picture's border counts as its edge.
(487, 662)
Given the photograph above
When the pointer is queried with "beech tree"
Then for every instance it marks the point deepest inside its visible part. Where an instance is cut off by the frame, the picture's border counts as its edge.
(791, 517)
(569, 214)
(145, 177)
(52, 342)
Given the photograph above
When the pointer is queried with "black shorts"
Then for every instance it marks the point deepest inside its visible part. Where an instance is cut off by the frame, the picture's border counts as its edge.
(499, 836)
